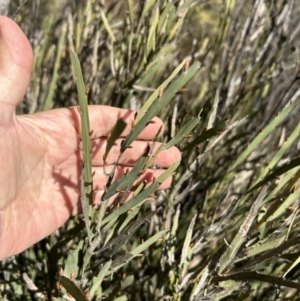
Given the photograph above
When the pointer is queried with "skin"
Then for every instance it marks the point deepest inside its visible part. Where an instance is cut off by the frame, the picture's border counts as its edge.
(40, 157)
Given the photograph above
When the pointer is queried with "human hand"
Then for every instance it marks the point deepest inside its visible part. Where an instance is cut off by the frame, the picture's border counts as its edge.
(40, 157)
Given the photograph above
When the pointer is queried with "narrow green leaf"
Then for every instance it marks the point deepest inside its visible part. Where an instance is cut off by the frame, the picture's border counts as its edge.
(264, 133)
(283, 149)
(213, 114)
(73, 260)
(176, 28)
(204, 275)
(206, 135)
(294, 264)
(122, 239)
(155, 94)
(175, 223)
(277, 172)
(185, 130)
(72, 288)
(255, 276)
(168, 172)
(98, 280)
(164, 17)
(125, 259)
(228, 257)
(262, 247)
(147, 6)
(86, 142)
(151, 40)
(142, 196)
(126, 180)
(107, 26)
(276, 251)
(49, 99)
(150, 110)
(187, 242)
(130, 216)
(130, 9)
(148, 242)
(115, 134)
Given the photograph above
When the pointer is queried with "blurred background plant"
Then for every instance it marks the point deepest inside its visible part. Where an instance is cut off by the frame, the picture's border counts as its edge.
(228, 229)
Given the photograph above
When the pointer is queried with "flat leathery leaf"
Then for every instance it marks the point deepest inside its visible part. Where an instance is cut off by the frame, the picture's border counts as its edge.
(276, 251)
(261, 247)
(175, 223)
(213, 114)
(187, 242)
(275, 207)
(85, 207)
(130, 215)
(168, 172)
(74, 290)
(118, 263)
(86, 140)
(252, 276)
(141, 197)
(204, 274)
(103, 208)
(107, 293)
(128, 281)
(73, 261)
(155, 94)
(130, 10)
(121, 298)
(85, 124)
(117, 242)
(115, 134)
(206, 135)
(230, 254)
(98, 280)
(147, 6)
(110, 229)
(176, 28)
(264, 133)
(294, 264)
(143, 194)
(185, 130)
(283, 149)
(133, 226)
(125, 180)
(277, 172)
(159, 103)
(287, 180)
(153, 158)
(284, 205)
(107, 26)
(145, 245)
(111, 223)
(164, 18)
(151, 40)
(141, 187)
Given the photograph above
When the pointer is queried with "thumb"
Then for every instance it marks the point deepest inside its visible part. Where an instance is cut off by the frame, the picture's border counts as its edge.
(16, 61)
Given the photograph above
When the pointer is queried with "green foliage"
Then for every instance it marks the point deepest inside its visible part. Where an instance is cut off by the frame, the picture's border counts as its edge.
(228, 228)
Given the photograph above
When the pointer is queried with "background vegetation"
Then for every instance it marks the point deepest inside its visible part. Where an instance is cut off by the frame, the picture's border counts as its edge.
(228, 229)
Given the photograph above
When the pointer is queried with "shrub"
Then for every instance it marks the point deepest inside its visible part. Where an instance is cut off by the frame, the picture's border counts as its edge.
(224, 77)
